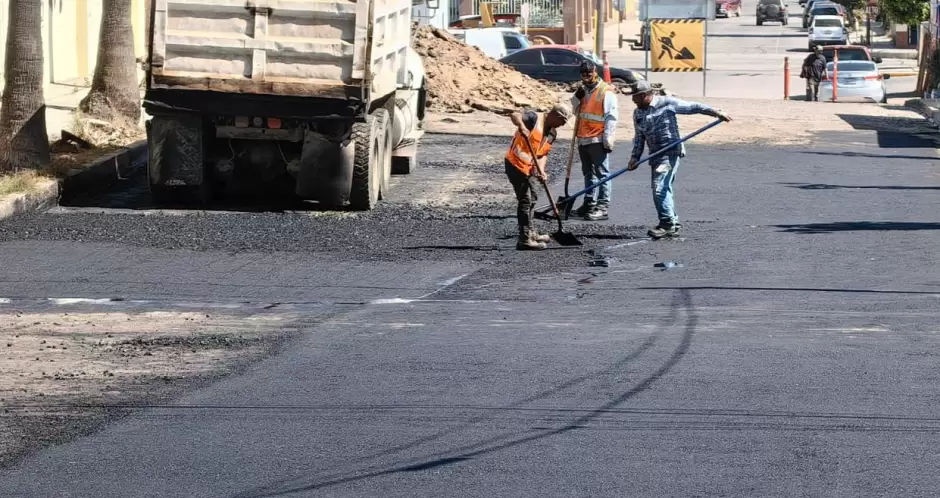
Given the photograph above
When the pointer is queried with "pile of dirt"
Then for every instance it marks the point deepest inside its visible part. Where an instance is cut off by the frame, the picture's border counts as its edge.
(462, 78)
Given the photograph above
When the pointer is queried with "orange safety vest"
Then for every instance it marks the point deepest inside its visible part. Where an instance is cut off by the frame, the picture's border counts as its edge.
(519, 155)
(591, 112)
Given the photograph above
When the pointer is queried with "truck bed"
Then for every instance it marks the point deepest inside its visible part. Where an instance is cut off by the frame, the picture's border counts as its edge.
(336, 49)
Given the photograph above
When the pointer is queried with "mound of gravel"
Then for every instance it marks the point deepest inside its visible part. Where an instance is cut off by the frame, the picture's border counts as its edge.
(462, 78)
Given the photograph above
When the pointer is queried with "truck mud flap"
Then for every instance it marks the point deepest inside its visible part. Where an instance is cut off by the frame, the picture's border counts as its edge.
(175, 149)
(325, 170)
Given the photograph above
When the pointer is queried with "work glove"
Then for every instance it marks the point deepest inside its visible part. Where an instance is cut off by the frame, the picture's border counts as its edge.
(580, 93)
(608, 147)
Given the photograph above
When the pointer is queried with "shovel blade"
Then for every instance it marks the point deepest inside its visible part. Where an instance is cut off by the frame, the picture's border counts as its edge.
(542, 215)
(566, 238)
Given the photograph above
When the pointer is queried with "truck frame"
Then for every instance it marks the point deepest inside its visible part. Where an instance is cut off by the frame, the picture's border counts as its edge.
(324, 98)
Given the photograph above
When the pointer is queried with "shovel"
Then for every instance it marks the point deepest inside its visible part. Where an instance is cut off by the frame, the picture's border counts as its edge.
(568, 201)
(543, 215)
(561, 236)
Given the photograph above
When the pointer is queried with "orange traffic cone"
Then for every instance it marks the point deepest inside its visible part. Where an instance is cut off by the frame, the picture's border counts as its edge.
(606, 68)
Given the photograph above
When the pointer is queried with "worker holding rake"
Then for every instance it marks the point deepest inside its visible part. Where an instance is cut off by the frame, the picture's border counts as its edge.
(525, 166)
(656, 126)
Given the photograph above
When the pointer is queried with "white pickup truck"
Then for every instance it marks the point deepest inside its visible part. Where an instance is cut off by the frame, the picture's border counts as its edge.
(320, 99)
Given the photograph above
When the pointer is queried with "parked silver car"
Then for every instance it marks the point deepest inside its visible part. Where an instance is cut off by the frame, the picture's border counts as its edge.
(856, 80)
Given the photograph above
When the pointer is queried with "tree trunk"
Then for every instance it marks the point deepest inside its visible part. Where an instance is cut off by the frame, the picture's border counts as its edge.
(115, 92)
(24, 143)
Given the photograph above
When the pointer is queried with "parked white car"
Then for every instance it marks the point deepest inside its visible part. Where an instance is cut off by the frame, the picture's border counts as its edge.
(827, 30)
(856, 80)
(495, 42)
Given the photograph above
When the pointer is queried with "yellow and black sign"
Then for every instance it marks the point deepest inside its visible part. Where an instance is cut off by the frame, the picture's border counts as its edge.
(677, 45)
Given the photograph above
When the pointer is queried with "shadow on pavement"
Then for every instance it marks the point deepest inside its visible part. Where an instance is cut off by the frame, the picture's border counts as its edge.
(858, 226)
(786, 289)
(825, 186)
(865, 154)
(682, 302)
(893, 133)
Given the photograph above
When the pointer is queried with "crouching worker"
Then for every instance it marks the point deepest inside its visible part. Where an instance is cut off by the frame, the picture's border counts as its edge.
(539, 132)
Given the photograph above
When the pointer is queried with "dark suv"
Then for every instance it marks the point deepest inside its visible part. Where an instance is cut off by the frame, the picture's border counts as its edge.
(773, 11)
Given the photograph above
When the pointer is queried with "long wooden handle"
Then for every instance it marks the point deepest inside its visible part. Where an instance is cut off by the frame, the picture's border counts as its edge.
(571, 148)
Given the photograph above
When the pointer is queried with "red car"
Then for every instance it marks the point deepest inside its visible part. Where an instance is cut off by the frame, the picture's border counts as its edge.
(727, 8)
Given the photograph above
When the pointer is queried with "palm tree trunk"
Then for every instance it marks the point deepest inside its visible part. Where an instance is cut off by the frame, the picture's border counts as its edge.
(114, 90)
(24, 143)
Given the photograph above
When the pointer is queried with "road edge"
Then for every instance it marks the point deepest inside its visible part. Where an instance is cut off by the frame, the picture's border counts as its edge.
(45, 196)
(929, 113)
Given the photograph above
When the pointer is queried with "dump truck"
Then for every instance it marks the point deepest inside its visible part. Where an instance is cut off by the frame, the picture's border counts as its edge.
(318, 99)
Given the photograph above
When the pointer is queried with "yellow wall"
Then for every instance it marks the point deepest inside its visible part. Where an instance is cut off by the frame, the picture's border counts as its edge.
(70, 37)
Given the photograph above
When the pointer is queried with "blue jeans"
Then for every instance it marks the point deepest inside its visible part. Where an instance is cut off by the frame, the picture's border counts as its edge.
(662, 189)
(595, 165)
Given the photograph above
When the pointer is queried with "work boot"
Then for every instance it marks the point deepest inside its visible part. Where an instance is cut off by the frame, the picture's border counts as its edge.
(664, 230)
(585, 208)
(537, 237)
(597, 214)
(528, 244)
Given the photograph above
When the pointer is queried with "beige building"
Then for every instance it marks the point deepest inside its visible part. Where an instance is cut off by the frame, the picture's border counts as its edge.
(70, 37)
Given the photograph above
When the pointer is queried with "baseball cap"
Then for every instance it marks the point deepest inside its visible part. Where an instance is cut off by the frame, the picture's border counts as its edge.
(562, 110)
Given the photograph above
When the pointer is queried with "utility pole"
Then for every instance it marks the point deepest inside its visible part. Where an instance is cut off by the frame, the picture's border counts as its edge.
(599, 32)
(868, 26)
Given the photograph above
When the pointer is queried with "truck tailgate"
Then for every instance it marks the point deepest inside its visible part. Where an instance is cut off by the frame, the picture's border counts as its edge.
(318, 48)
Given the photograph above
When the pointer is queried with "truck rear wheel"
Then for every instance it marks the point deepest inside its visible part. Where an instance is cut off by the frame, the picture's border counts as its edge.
(367, 179)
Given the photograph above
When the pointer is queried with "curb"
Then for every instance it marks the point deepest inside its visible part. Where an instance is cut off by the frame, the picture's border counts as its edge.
(47, 196)
(924, 110)
(894, 54)
(899, 75)
(97, 175)
(107, 170)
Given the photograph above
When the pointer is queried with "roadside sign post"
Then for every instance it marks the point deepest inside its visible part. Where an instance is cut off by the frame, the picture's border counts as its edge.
(676, 35)
(647, 46)
(524, 13)
(599, 32)
(704, 57)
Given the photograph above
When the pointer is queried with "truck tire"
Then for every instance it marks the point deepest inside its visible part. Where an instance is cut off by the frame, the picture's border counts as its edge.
(366, 177)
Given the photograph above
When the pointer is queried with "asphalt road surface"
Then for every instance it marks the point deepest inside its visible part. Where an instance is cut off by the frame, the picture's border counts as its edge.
(785, 345)
(790, 351)
(747, 61)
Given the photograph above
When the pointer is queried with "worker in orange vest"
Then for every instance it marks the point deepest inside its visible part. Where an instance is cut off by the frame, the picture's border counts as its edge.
(596, 105)
(540, 130)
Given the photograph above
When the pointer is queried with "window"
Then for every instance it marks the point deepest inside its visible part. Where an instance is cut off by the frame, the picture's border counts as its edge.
(562, 58)
(854, 66)
(827, 23)
(825, 11)
(512, 42)
(533, 57)
(845, 55)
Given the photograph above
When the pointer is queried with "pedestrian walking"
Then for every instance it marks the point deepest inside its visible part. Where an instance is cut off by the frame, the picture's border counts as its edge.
(540, 130)
(814, 70)
(595, 103)
(654, 120)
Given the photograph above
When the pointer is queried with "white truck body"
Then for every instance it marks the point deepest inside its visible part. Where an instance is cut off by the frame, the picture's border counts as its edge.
(317, 48)
(325, 97)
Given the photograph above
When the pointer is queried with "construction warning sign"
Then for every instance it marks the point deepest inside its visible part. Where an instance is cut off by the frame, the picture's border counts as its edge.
(677, 45)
